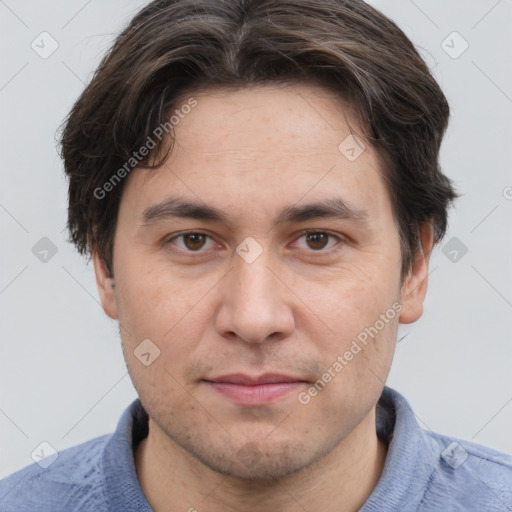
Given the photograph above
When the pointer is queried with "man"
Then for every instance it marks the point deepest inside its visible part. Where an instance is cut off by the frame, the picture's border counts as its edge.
(258, 186)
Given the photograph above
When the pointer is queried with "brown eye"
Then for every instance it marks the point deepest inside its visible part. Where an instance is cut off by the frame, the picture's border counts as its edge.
(194, 241)
(189, 242)
(317, 240)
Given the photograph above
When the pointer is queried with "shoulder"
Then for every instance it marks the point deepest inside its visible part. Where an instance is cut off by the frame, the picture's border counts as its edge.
(73, 481)
(428, 471)
(474, 476)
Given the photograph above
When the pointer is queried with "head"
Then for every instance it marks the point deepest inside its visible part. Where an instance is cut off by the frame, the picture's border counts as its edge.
(297, 142)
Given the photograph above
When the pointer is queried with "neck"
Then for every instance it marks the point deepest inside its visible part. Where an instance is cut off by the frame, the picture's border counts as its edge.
(174, 480)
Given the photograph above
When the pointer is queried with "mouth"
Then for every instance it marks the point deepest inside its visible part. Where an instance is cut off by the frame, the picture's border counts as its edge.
(255, 390)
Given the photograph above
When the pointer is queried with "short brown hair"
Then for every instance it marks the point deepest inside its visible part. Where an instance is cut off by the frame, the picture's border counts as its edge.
(174, 46)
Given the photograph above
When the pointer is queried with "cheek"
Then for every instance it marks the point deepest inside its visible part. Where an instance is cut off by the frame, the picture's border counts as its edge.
(171, 311)
(356, 366)
(153, 297)
(353, 331)
(352, 298)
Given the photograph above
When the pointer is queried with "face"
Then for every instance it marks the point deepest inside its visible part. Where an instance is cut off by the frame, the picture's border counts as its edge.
(272, 323)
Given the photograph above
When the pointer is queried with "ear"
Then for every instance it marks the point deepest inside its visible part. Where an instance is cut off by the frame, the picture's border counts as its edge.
(414, 288)
(105, 285)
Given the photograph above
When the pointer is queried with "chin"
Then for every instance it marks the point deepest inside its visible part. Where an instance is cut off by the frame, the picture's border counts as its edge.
(256, 462)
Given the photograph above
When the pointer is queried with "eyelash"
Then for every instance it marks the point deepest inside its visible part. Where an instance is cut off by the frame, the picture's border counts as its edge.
(318, 252)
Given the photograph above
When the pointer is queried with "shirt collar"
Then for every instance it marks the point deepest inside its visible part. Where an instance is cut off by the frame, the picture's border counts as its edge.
(410, 460)
(122, 486)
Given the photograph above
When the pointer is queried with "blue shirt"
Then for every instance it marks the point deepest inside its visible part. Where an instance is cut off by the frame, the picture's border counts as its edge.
(424, 471)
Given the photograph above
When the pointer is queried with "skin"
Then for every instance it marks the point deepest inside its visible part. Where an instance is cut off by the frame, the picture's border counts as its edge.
(292, 311)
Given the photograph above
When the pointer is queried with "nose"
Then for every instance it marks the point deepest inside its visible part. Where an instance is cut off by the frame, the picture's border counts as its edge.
(255, 303)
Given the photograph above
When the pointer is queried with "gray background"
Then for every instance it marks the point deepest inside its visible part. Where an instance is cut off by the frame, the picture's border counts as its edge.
(62, 374)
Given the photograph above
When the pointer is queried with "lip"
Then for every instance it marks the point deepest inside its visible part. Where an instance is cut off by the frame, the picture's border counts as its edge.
(248, 380)
(254, 390)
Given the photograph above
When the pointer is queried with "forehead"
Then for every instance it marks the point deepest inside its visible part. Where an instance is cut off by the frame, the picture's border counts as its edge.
(263, 147)
(284, 115)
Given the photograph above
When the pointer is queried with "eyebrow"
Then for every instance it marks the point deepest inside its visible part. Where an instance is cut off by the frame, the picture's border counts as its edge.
(172, 208)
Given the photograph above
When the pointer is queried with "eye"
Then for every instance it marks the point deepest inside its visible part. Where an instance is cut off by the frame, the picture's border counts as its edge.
(191, 241)
(195, 241)
(319, 240)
